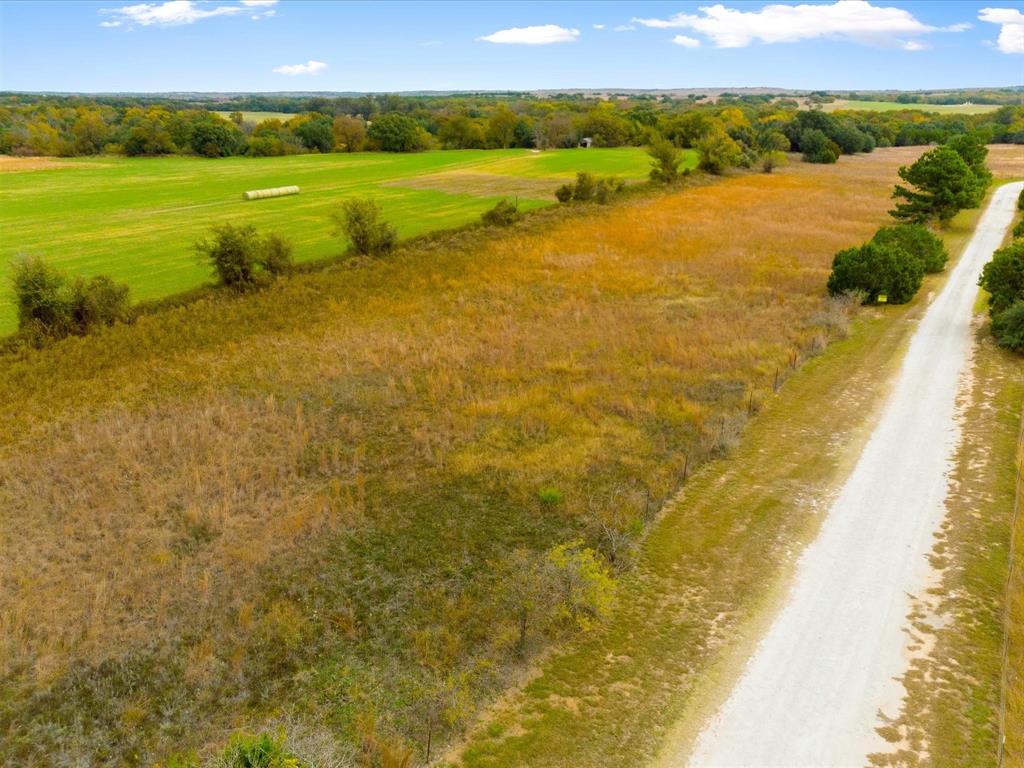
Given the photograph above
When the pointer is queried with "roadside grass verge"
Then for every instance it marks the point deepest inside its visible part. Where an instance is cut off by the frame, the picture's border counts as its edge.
(292, 506)
(951, 711)
(1013, 662)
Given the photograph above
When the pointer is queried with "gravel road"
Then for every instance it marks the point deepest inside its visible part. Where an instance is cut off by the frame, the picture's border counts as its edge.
(811, 692)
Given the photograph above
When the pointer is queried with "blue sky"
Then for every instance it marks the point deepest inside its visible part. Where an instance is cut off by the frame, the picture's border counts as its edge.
(263, 45)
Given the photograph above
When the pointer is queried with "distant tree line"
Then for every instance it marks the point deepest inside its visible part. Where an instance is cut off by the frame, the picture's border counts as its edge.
(69, 126)
(942, 97)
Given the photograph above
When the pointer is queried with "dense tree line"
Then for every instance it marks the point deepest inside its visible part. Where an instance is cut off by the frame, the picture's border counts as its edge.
(1003, 278)
(738, 129)
(924, 98)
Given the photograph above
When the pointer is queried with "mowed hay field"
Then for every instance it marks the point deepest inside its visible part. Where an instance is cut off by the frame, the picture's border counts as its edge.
(135, 219)
(895, 106)
(292, 507)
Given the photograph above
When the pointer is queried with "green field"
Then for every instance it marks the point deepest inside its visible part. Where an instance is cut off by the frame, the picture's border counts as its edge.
(893, 106)
(256, 117)
(136, 219)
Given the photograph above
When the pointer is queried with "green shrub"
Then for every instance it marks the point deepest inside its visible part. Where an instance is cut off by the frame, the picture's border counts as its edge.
(876, 269)
(232, 252)
(1020, 201)
(606, 188)
(241, 259)
(360, 220)
(1018, 229)
(918, 241)
(586, 587)
(585, 187)
(97, 301)
(665, 159)
(262, 751)
(276, 255)
(503, 214)
(588, 188)
(39, 292)
(1008, 327)
(772, 159)
(550, 496)
(49, 308)
(1003, 277)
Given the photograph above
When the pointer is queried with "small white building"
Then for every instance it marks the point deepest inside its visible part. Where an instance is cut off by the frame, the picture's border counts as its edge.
(586, 142)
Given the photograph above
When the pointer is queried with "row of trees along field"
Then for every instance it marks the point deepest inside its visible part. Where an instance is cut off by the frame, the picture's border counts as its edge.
(1003, 278)
(70, 126)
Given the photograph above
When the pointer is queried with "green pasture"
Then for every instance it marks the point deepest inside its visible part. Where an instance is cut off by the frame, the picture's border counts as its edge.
(893, 106)
(257, 117)
(136, 219)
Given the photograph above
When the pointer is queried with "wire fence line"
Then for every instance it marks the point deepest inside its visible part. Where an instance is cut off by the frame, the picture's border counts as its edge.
(1011, 579)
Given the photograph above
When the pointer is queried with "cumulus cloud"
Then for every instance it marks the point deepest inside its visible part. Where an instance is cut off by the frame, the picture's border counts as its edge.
(178, 12)
(311, 67)
(169, 14)
(545, 34)
(856, 20)
(598, 26)
(686, 42)
(623, 28)
(1011, 30)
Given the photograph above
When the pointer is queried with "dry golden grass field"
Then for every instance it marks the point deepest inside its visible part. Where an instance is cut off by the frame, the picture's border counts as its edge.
(288, 508)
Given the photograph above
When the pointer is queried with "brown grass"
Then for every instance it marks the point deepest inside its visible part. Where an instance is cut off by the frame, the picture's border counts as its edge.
(1006, 161)
(712, 570)
(271, 503)
(9, 164)
(1012, 703)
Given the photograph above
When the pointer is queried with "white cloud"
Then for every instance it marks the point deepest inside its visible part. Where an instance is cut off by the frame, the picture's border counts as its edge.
(1011, 31)
(962, 27)
(856, 20)
(915, 45)
(177, 12)
(623, 28)
(598, 26)
(309, 68)
(686, 42)
(544, 34)
(169, 14)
